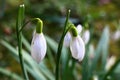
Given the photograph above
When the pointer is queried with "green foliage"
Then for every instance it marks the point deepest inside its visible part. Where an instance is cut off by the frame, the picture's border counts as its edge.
(43, 71)
(96, 13)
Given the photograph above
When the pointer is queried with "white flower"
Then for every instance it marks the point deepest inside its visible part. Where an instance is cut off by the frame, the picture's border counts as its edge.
(116, 35)
(79, 28)
(77, 48)
(95, 77)
(67, 39)
(110, 62)
(38, 47)
(91, 51)
(68, 36)
(86, 36)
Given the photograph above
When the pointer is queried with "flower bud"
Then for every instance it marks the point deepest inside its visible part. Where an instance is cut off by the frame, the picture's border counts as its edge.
(77, 48)
(38, 47)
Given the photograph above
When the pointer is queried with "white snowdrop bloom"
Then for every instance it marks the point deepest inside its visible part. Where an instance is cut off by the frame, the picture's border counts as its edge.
(77, 48)
(67, 39)
(79, 28)
(110, 62)
(91, 51)
(68, 36)
(95, 77)
(116, 35)
(38, 47)
(86, 36)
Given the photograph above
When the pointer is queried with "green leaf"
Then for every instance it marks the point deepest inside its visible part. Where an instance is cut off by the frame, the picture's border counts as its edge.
(30, 65)
(103, 40)
(10, 74)
(105, 47)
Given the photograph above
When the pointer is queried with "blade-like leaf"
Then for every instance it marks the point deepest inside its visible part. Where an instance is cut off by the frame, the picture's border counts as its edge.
(105, 48)
(10, 74)
(98, 51)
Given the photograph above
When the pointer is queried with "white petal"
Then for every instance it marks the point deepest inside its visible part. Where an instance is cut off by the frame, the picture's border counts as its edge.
(95, 77)
(116, 35)
(86, 36)
(38, 47)
(67, 39)
(79, 28)
(91, 51)
(110, 62)
(77, 48)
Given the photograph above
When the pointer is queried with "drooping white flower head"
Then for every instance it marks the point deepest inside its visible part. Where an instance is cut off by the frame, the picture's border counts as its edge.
(38, 47)
(68, 36)
(86, 36)
(77, 48)
(67, 39)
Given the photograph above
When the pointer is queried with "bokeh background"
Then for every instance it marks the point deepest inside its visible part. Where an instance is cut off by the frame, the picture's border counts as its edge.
(97, 13)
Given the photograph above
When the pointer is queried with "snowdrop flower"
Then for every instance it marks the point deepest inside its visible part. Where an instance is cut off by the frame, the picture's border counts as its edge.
(91, 52)
(86, 36)
(77, 48)
(95, 77)
(79, 28)
(110, 62)
(116, 35)
(68, 36)
(38, 45)
(67, 39)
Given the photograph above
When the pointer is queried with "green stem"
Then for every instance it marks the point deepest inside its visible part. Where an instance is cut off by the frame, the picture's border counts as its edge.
(21, 57)
(111, 69)
(60, 46)
(34, 19)
(19, 39)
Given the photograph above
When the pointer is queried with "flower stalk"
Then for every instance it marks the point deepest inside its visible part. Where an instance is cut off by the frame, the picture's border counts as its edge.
(19, 23)
(19, 27)
(60, 46)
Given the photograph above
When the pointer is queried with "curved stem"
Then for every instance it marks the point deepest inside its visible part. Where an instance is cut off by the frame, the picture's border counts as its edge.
(19, 39)
(60, 46)
(27, 23)
(21, 56)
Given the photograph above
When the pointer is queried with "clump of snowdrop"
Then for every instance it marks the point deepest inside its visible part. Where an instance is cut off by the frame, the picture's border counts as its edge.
(85, 36)
(77, 46)
(38, 44)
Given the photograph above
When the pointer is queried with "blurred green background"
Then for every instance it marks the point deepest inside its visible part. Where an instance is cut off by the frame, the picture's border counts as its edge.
(97, 13)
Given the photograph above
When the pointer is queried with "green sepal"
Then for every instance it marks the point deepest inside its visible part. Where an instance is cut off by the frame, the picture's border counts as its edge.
(74, 31)
(39, 26)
